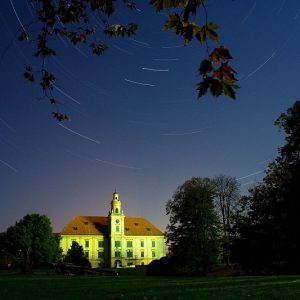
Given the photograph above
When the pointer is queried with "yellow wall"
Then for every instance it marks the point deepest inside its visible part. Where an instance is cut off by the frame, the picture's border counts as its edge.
(109, 254)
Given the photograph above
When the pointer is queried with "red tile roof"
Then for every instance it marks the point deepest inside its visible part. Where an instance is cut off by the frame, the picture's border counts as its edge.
(92, 225)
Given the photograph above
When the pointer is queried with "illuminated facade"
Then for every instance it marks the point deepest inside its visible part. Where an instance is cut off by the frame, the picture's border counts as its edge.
(115, 240)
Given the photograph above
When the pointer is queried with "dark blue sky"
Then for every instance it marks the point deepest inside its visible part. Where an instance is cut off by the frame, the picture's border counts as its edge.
(144, 140)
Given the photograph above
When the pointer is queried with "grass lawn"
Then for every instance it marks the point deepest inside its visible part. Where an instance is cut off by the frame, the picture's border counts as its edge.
(129, 286)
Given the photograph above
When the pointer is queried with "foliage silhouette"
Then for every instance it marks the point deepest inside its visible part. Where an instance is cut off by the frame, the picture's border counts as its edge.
(193, 231)
(31, 241)
(72, 19)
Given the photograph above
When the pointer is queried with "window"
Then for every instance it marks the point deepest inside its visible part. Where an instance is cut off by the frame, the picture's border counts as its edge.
(117, 210)
(117, 254)
(136, 224)
(129, 253)
(100, 254)
(117, 243)
(86, 223)
(142, 244)
(117, 228)
(86, 254)
(129, 244)
(142, 254)
(148, 229)
(75, 228)
(153, 253)
(100, 244)
(153, 244)
(87, 244)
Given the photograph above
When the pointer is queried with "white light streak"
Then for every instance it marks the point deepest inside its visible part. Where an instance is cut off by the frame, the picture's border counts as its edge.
(139, 83)
(165, 59)
(281, 6)
(7, 125)
(13, 7)
(65, 94)
(247, 183)
(184, 133)
(139, 42)
(123, 50)
(249, 175)
(171, 47)
(79, 134)
(250, 12)
(117, 165)
(80, 156)
(9, 166)
(81, 52)
(156, 70)
(143, 46)
(257, 69)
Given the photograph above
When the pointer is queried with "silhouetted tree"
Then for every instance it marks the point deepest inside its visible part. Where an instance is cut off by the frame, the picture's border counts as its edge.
(32, 241)
(270, 231)
(75, 21)
(226, 203)
(193, 230)
(76, 256)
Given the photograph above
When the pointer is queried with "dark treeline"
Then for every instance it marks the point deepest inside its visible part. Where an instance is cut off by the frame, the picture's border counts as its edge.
(210, 223)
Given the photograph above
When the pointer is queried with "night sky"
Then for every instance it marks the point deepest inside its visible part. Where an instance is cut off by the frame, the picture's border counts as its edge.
(136, 123)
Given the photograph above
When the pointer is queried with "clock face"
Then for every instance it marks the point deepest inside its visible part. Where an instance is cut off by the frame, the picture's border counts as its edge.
(117, 221)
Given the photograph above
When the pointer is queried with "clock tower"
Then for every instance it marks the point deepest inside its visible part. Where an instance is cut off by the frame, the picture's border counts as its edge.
(116, 231)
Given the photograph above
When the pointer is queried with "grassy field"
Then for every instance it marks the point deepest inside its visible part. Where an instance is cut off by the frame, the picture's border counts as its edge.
(129, 286)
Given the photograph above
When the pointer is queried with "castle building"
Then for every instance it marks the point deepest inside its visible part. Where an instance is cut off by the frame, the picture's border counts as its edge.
(115, 240)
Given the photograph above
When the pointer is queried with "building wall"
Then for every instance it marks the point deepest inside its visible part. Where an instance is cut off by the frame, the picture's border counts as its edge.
(154, 248)
(92, 248)
(151, 251)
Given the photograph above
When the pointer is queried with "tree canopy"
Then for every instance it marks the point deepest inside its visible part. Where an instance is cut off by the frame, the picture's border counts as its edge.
(269, 233)
(76, 256)
(74, 20)
(227, 201)
(32, 241)
(193, 230)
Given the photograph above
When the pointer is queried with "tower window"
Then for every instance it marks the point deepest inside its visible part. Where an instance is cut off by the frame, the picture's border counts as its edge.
(117, 210)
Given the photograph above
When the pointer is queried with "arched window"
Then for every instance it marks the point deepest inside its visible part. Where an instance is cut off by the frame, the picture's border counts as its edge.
(117, 210)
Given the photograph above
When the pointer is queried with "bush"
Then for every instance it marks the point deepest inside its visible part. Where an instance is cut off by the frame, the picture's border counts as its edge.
(164, 266)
